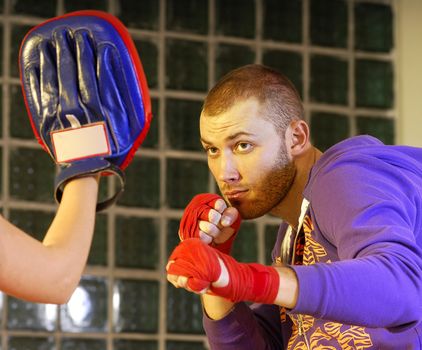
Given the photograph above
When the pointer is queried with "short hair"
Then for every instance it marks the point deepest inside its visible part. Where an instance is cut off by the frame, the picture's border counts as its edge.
(268, 86)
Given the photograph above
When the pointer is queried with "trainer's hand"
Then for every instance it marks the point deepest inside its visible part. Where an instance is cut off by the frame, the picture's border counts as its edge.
(199, 268)
(208, 218)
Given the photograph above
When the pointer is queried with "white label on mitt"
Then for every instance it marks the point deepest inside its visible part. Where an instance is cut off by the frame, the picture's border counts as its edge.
(78, 143)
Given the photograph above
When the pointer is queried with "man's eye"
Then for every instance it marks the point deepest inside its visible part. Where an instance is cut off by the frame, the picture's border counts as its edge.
(211, 150)
(243, 147)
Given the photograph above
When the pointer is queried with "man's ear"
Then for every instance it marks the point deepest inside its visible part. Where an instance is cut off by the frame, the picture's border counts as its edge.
(297, 138)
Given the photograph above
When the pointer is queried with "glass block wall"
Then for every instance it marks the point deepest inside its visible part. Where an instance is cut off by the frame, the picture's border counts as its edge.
(340, 55)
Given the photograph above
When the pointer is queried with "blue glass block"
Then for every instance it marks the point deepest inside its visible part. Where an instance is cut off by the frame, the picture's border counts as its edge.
(329, 23)
(148, 53)
(40, 8)
(229, 57)
(142, 187)
(76, 5)
(99, 247)
(137, 242)
(86, 310)
(152, 139)
(20, 125)
(184, 345)
(287, 62)
(186, 65)
(379, 127)
(271, 232)
(373, 27)
(125, 344)
(283, 20)
(31, 175)
(245, 247)
(18, 33)
(329, 80)
(182, 124)
(33, 222)
(139, 14)
(374, 84)
(185, 179)
(83, 344)
(135, 304)
(31, 343)
(328, 129)
(235, 18)
(184, 311)
(24, 315)
(187, 16)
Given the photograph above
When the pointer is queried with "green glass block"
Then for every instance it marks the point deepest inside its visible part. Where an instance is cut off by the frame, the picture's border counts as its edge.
(329, 23)
(31, 175)
(182, 124)
(186, 65)
(245, 247)
(328, 129)
(18, 33)
(142, 187)
(381, 128)
(287, 62)
(184, 311)
(283, 20)
(172, 235)
(235, 18)
(329, 80)
(124, 344)
(148, 53)
(152, 140)
(33, 222)
(139, 14)
(271, 232)
(23, 315)
(99, 247)
(137, 242)
(373, 27)
(86, 310)
(83, 344)
(184, 345)
(229, 57)
(374, 84)
(76, 5)
(20, 126)
(187, 16)
(31, 343)
(1, 41)
(136, 306)
(185, 179)
(40, 8)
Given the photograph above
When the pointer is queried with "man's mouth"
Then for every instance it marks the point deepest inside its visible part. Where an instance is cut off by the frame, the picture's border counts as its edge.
(235, 194)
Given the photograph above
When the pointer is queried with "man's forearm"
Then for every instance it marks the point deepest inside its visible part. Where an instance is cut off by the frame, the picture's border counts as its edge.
(217, 308)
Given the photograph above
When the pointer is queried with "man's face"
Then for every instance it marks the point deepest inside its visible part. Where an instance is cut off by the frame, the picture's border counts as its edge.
(248, 158)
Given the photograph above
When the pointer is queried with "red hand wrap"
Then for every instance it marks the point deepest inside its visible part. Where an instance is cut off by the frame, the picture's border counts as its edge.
(247, 282)
(198, 210)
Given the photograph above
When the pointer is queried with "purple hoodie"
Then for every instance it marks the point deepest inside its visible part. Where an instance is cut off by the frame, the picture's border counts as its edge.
(360, 278)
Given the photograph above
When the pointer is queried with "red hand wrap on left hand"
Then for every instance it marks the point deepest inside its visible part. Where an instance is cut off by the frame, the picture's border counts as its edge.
(247, 282)
(197, 210)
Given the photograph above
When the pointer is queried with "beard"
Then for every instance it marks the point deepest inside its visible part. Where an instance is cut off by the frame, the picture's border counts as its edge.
(269, 191)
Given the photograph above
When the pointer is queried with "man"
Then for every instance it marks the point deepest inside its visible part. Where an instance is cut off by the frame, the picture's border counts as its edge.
(348, 259)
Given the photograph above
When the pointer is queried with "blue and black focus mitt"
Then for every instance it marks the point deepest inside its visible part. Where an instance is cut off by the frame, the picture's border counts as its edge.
(86, 95)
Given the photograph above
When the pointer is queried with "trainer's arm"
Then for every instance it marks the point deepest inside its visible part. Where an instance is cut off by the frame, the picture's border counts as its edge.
(216, 307)
(50, 271)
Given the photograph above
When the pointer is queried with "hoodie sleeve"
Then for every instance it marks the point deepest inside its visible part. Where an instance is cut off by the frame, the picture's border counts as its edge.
(369, 212)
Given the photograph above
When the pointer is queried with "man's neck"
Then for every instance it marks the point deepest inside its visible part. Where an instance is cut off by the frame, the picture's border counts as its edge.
(289, 208)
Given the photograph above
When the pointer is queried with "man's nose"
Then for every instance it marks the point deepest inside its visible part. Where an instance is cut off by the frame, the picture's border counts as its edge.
(228, 169)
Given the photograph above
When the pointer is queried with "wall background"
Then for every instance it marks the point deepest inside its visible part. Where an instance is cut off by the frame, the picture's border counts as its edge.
(356, 64)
